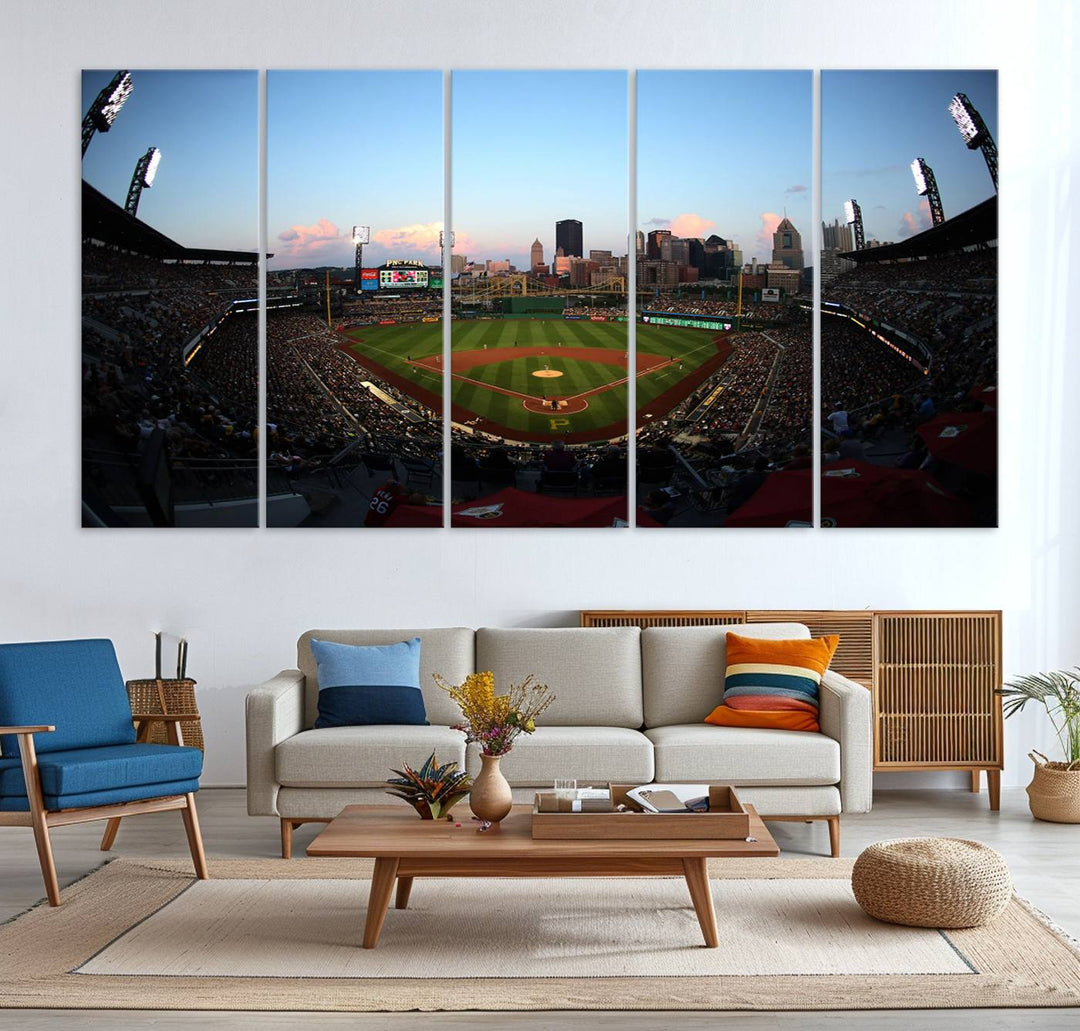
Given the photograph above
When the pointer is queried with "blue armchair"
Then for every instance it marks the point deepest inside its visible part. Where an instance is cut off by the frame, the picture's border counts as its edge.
(68, 750)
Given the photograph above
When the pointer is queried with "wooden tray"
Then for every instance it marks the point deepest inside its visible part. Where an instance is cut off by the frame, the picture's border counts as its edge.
(726, 819)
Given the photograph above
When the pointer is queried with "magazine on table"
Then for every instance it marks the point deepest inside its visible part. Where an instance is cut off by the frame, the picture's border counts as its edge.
(671, 798)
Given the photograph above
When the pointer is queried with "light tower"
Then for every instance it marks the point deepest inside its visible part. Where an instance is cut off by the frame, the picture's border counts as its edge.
(106, 106)
(142, 178)
(974, 132)
(853, 217)
(360, 236)
(926, 186)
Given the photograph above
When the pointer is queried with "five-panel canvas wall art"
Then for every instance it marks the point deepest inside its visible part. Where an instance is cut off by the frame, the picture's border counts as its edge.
(556, 292)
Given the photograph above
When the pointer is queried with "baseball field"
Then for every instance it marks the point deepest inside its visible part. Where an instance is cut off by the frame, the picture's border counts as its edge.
(536, 379)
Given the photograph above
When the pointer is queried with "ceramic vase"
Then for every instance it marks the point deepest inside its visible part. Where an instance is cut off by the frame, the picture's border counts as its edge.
(490, 798)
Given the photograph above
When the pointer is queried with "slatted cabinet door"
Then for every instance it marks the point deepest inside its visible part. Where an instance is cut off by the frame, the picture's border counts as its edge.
(935, 698)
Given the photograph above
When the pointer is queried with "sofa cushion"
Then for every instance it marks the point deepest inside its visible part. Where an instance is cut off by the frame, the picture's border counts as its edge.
(362, 757)
(586, 754)
(773, 683)
(683, 667)
(75, 686)
(364, 684)
(448, 651)
(743, 755)
(594, 673)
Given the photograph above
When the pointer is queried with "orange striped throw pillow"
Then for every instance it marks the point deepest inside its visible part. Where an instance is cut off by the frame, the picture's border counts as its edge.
(773, 684)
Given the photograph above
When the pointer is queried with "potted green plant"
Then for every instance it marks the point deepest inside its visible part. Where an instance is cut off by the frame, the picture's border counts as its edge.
(1054, 792)
(432, 790)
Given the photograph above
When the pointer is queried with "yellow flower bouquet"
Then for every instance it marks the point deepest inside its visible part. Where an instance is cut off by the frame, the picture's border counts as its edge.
(493, 720)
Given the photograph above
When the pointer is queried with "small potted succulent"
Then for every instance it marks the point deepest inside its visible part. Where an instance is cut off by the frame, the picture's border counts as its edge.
(1054, 792)
(432, 790)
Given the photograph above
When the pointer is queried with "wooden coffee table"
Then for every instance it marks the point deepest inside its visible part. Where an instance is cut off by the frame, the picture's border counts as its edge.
(405, 847)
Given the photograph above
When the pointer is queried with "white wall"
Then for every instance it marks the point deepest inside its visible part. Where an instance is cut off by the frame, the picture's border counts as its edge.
(243, 597)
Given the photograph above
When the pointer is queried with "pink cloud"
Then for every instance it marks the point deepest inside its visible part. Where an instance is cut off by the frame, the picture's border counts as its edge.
(690, 225)
(421, 237)
(913, 224)
(769, 221)
(301, 241)
(797, 188)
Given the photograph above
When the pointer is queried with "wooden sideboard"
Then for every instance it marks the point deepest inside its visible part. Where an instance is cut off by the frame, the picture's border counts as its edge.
(934, 676)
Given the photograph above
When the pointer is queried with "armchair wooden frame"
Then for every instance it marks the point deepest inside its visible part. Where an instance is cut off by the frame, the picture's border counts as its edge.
(41, 819)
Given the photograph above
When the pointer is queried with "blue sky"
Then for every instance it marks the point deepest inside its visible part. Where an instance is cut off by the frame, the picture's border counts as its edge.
(206, 125)
(351, 148)
(725, 152)
(530, 148)
(874, 124)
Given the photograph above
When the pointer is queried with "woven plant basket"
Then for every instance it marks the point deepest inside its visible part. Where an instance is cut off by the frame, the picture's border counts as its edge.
(1054, 791)
(166, 698)
(932, 882)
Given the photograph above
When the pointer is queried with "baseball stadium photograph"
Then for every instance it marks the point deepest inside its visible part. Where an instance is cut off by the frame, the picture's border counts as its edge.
(354, 433)
(724, 297)
(170, 386)
(908, 300)
(540, 341)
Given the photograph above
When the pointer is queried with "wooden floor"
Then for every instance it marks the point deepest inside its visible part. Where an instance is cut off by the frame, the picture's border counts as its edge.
(1043, 858)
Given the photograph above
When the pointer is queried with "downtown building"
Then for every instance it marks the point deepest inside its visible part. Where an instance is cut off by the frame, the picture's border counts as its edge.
(568, 238)
(787, 246)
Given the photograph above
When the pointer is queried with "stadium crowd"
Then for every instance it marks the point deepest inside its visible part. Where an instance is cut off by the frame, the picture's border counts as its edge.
(317, 403)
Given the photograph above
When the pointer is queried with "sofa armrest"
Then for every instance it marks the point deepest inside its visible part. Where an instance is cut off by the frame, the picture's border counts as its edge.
(273, 711)
(846, 716)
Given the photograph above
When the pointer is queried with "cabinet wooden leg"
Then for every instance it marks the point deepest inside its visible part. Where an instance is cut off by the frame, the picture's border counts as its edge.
(993, 788)
(975, 781)
(382, 886)
(834, 836)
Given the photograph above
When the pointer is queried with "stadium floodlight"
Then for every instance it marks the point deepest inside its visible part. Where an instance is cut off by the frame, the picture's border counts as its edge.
(974, 133)
(360, 236)
(142, 178)
(106, 106)
(853, 217)
(926, 186)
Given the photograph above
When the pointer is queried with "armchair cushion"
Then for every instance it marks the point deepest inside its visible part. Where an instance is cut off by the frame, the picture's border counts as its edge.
(75, 685)
(21, 804)
(142, 768)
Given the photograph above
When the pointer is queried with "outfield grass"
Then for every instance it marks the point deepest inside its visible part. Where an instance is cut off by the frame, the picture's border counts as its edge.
(392, 346)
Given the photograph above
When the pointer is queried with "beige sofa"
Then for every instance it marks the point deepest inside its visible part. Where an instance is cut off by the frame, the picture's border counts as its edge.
(629, 707)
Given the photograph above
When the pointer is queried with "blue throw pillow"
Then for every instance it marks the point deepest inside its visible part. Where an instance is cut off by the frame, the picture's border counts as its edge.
(360, 685)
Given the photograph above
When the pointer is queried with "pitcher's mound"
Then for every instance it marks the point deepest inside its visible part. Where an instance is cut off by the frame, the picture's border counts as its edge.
(547, 374)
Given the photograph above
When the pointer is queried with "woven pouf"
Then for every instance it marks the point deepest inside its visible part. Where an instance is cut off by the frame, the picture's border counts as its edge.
(932, 882)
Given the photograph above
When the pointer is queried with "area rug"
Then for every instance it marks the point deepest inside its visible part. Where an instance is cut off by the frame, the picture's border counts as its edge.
(268, 934)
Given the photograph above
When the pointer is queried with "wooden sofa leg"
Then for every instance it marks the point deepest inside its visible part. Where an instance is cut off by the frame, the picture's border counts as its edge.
(286, 838)
(109, 836)
(194, 836)
(834, 836)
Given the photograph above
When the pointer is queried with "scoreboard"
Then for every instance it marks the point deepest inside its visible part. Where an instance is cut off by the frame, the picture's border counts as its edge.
(403, 278)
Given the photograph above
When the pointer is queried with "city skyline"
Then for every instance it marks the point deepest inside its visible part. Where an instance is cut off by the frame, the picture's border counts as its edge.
(206, 125)
(874, 124)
